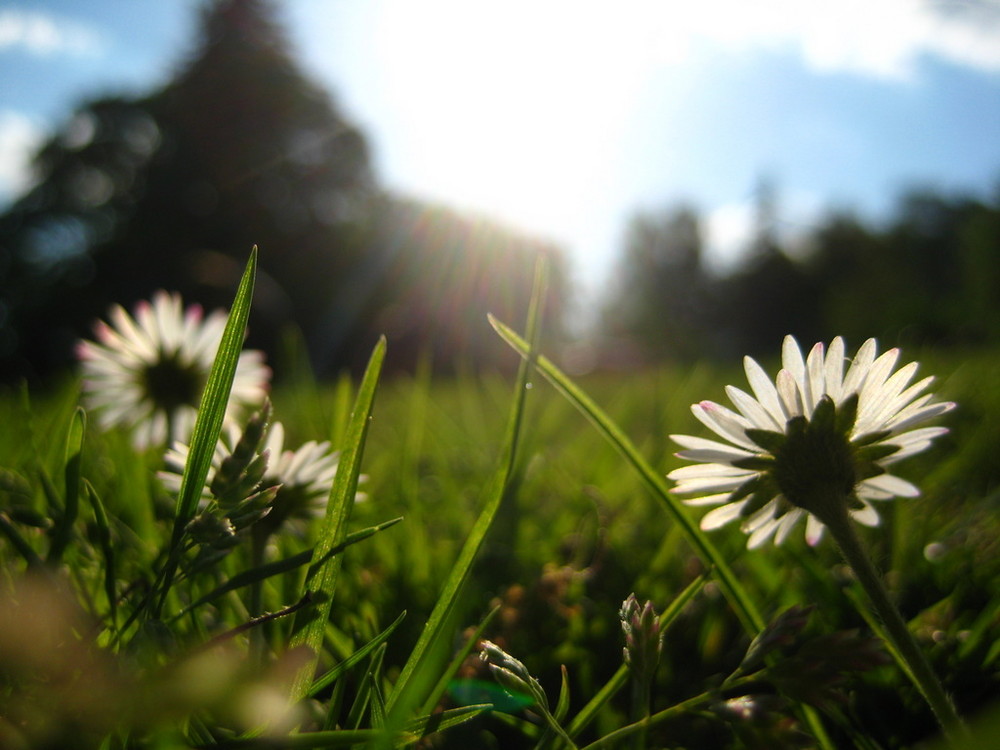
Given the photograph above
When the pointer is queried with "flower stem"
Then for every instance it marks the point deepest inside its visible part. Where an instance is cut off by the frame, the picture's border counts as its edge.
(900, 638)
(641, 696)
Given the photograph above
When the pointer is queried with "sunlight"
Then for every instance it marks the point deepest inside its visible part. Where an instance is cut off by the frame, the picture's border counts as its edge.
(515, 110)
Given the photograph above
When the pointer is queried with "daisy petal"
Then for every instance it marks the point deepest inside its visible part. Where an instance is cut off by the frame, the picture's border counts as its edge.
(719, 517)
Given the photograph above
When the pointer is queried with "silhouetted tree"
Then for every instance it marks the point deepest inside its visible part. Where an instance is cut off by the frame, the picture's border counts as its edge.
(770, 295)
(931, 276)
(662, 297)
(173, 189)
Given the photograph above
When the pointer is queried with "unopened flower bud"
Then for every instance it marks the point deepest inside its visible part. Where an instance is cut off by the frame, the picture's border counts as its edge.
(643, 639)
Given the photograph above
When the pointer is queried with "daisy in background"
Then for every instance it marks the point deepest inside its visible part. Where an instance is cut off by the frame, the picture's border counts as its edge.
(304, 476)
(817, 445)
(813, 437)
(146, 373)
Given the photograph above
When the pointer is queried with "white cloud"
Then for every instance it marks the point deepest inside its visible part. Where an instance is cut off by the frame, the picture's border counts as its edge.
(881, 38)
(19, 136)
(46, 34)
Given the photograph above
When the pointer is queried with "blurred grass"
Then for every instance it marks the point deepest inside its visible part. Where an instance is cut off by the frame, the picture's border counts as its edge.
(580, 534)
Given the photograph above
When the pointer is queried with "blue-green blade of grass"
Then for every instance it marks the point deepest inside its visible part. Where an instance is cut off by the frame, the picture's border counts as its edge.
(208, 424)
(742, 603)
(416, 679)
(321, 579)
(72, 456)
(362, 653)
(472, 691)
(268, 570)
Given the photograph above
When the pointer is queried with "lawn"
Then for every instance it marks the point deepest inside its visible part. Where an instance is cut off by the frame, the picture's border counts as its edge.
(521, 523)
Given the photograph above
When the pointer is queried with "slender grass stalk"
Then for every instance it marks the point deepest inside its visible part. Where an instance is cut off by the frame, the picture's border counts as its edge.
(741, 601)
(258, 548)
(614, 739)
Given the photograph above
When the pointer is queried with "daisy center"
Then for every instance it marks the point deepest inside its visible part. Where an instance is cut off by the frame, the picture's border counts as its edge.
(814, 464)
(170, 384)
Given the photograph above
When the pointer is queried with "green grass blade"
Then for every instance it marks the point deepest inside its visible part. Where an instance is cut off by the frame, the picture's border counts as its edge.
(741, 602)
(338, 671)
(562, 705)
(456, 662)
(72, 456)
(325, 567)
(414, 678)
(208, 424)
(107, 549)
(19, 543)
(413, 731)
(363, 695)
(268, 570)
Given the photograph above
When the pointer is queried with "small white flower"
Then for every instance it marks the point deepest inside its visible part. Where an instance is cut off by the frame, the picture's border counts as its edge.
(305, 475)
(147, 373)
(815, 435)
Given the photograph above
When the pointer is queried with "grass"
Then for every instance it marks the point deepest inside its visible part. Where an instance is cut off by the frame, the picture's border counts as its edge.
(521, 523)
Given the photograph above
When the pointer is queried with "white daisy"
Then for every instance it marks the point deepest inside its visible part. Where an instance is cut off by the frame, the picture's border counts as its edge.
(815, 436)
(304, 475)
(147, 373)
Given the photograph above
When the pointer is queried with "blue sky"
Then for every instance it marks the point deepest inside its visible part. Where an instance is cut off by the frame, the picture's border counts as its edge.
(565, 117)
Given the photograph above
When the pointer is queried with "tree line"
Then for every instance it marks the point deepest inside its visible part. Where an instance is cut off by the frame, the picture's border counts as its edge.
(171, 189)
(929, 275)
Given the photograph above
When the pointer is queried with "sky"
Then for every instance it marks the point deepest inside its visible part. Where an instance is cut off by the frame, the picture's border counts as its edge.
(565, 118)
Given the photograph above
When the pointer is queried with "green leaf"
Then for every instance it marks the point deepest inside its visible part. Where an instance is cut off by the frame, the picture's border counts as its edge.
(321, 579)
(208, 424)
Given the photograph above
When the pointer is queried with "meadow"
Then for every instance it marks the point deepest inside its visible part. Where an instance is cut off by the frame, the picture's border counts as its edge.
(490, 507)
